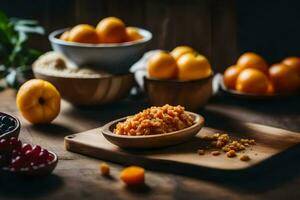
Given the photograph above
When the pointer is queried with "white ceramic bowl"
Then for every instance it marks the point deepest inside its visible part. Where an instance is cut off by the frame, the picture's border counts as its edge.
(114, 58)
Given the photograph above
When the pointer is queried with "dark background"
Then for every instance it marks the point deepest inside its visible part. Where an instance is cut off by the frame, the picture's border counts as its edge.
(220, 29)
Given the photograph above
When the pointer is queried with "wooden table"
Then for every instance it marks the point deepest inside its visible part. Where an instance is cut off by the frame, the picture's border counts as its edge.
(78, 177)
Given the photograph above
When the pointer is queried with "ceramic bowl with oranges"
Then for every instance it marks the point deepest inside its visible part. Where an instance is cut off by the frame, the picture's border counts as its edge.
(111, 45)
(180, 77)
(251, 76)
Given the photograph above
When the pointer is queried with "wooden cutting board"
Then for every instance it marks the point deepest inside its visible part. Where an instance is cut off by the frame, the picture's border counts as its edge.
(270, 143)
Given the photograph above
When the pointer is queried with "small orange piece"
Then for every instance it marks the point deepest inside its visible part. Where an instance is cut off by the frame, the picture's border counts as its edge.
(162, 66)
(284, 78)
(252, 60)
(181, 50)
(65, 36)
(293, 62)
(133, 175)
(38, 101)
(133, 34)
(83, 33)
(104, 169)
(230, 76)
(193, 66)
(252, 81)
(112, 30)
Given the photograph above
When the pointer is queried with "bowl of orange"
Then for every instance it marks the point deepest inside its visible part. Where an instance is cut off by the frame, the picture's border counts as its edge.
(110, 46)
(252, 77)
(180, 77)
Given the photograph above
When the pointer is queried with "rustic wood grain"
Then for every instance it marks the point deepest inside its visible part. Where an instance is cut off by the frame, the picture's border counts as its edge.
(77, 177)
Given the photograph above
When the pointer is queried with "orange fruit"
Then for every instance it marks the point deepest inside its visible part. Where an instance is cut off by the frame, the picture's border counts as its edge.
(293, 62)
(83, 33)
(252, 81)
(133, 175)
(112, 30)
(38, 101)
(180, 50)
(193, 66)
(65, 36)
(133, 34)
(162, 66)
(252, 60)
(284, 78)
(230, 76)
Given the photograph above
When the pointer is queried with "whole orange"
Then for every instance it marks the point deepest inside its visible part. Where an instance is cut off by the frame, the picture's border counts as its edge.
(252, 60)
(180, 50)
(133, 34)
(293, 62)
(65, 36)
(83, 33)
(112, 30)
(284, 78)
(162, 66)
(252, 81)
(38, 101)
(230, 76)
(193, 66)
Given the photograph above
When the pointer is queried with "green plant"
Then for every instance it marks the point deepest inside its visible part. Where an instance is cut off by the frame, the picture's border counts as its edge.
(15, 55)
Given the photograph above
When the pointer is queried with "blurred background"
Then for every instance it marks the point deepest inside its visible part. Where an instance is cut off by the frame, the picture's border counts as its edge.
(220, 29)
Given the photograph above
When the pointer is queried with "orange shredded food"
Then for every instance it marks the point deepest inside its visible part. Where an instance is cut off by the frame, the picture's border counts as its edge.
(155, 120)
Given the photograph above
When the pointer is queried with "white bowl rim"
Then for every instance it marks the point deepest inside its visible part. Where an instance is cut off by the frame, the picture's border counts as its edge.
(147, 36)
(198, 121)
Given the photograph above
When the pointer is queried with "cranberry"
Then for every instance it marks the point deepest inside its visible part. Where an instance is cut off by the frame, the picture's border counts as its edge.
(15, 153)
(17, 163)
(36, 151)
(42, 158)
(25, 148)
(50, 157)
(4, 145)
(15, 143)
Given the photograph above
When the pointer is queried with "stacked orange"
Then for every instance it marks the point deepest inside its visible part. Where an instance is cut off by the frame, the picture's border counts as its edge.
(182, 63)
(108, 30)
(251, 74)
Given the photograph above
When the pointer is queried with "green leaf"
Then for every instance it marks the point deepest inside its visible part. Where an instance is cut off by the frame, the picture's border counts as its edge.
(30, 29)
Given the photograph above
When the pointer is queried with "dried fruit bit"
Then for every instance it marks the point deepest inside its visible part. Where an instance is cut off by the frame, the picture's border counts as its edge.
(244, 158)
(133, 175)
(104, 168)
(201, 152)
(231, 154)
(215, 153)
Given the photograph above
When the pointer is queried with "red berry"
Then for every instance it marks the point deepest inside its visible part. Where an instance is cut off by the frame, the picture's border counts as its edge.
(17, 163)
(4, 145)
(25, 148)
(36, 151)
(42, 158)
(50, 157)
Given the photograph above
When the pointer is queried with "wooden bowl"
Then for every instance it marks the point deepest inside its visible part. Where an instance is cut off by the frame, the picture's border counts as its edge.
(90, 91)
(41, 170)
(249, 96)
(15, 131)
(152, 141)
(190, 94)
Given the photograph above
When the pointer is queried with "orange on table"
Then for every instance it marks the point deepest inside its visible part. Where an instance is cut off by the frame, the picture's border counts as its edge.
(230, 76)
(162, 66)
(133, 175)
(193, 66)
(84, 33)
(133, 34)
(252, 81)
(111, 30)
(284, 78)
(252, 60)
(38, 101)
(181, 50)
(293, 62)
(65, 36)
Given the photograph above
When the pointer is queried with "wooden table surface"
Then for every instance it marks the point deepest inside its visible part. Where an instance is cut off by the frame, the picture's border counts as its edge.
(78, 177)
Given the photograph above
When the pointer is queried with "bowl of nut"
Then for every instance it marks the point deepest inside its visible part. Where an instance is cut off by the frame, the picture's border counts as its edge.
(82, 86)
(153, 128)
(111, 45)
(9, 126)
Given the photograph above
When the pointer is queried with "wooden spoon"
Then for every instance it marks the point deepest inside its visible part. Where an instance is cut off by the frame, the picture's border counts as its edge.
(152, 141)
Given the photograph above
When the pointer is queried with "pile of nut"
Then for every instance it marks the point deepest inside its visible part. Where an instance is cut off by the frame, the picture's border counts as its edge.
(228, 145)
